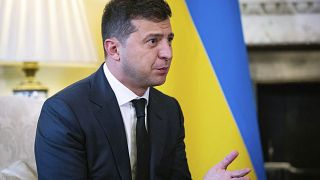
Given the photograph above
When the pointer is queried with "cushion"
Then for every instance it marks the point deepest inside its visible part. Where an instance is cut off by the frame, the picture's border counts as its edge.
(18, 121)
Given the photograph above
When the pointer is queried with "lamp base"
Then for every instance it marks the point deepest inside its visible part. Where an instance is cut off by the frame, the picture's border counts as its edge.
(30, 87)
(32, 94)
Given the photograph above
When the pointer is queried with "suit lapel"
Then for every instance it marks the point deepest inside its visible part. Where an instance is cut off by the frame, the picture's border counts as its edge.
(157, 125)
(107, 112)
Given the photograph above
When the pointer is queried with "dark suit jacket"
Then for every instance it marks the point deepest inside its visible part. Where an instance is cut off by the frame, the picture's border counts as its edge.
(81, 135)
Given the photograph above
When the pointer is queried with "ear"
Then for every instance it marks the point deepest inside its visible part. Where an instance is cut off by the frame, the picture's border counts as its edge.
(111, 48)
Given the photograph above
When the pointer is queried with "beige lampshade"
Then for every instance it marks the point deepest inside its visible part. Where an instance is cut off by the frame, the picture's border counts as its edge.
(54, 31)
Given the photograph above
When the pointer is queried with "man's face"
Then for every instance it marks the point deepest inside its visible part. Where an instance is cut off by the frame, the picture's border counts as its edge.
(145, 56)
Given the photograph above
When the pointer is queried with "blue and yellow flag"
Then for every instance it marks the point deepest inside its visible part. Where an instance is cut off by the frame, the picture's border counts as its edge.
(210, 78)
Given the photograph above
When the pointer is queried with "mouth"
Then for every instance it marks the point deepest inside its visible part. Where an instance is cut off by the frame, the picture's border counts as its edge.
(162, 70)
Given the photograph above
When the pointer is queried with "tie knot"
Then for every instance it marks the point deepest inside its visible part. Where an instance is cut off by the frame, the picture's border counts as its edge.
(139, 105)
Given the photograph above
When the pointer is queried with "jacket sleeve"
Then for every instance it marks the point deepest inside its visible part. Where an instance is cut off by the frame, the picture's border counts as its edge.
(180, 168)
(59, 144)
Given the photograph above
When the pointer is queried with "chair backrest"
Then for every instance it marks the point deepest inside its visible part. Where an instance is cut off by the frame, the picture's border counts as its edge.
(18, 122)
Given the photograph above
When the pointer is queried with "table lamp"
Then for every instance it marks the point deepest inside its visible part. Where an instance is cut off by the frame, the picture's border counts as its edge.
(43, 31)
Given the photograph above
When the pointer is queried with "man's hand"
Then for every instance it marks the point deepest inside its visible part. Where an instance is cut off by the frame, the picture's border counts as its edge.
(219, 171)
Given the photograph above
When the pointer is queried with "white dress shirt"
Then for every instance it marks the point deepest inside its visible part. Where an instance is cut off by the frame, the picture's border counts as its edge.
(124, 97)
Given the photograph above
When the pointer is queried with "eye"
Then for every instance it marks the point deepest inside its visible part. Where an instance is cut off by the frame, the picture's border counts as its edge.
(170, 39)
(152, 41)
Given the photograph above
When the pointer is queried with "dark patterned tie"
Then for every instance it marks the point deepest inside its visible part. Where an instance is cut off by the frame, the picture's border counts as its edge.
(142, 140)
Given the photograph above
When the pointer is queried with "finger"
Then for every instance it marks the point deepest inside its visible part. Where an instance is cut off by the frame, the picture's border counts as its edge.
(227, 160)
(240, 173)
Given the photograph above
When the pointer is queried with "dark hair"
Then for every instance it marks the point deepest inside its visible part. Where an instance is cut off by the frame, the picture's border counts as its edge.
(117, 16)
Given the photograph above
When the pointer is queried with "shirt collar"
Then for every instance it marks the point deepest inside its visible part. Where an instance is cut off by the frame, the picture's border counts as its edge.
(123, 94)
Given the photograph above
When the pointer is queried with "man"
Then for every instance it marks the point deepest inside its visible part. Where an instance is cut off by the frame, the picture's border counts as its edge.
(114, 124)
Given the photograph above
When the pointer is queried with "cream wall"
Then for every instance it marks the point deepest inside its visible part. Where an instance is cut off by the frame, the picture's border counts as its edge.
(58, 77)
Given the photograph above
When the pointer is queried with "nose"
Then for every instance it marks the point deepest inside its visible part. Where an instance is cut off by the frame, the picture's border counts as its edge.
(165, 52)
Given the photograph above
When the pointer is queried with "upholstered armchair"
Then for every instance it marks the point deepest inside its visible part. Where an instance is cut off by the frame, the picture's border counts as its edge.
(18, 121)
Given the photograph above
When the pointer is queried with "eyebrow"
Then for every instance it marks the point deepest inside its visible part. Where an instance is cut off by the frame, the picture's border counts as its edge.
(171, 35)
(158, 35)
